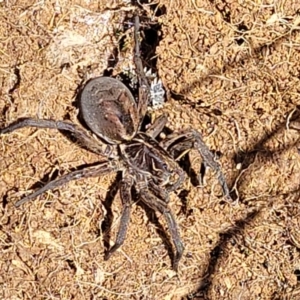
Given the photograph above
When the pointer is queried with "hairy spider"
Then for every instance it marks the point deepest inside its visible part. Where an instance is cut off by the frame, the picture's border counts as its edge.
(111, 112)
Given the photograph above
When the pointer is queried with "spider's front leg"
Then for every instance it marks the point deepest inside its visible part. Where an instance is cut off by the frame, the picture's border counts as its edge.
(184, 141)
(83, 139)
(125, 193)
(161, 205)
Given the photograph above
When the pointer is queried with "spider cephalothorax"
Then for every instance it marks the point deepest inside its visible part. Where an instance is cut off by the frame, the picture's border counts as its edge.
(111, 112)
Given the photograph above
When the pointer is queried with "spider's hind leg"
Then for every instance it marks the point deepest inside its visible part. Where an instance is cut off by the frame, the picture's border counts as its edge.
(82, 138)
(144, 86)
(158, 125)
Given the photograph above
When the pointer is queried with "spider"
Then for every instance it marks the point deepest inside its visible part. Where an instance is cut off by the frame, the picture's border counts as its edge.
(110, 111)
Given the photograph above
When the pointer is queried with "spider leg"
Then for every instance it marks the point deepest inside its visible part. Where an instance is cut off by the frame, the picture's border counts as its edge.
(159, 205)
(158, 125)
(174, 186)
(159, 191)
(92, 171)
(184, 141)
(144, 87)
(125, 193)
(83, 139)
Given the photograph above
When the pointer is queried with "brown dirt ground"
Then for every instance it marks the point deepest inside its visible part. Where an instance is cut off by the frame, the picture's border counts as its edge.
(238, 65)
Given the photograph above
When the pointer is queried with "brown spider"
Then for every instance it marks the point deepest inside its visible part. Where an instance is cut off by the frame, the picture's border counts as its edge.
(111, 112)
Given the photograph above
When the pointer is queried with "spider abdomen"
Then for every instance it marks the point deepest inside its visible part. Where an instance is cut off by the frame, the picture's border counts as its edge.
(109, 109)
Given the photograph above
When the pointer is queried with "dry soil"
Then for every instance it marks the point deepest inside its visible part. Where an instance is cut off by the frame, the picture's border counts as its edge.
(232, 71)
